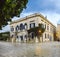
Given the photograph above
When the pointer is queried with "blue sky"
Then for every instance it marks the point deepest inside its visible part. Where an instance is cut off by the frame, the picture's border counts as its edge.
(49, 8)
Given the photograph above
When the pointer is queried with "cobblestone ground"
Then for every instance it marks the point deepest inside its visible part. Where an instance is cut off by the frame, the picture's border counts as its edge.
(47, 49)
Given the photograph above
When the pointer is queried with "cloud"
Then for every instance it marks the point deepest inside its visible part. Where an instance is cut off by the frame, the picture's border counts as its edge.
(26, 14)
(43, 5)
(5, 29)
(57, 3)
(15, 18)
(49, 8)
(52, 17)
(50, 5)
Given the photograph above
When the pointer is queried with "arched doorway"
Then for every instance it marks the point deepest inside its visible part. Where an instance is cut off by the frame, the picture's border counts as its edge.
(21, 38)
(32, 36)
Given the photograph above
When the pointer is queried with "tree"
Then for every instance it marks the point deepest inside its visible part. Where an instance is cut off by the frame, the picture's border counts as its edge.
(9, 9)
(38, 31)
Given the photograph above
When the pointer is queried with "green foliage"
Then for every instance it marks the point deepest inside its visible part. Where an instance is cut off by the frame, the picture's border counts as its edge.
(37, 29)
(9, 9)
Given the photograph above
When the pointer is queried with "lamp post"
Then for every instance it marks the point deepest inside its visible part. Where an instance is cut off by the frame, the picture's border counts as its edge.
(39, 31)
(39, 34)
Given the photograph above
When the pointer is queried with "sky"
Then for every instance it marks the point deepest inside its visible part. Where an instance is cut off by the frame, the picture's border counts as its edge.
(49, 8)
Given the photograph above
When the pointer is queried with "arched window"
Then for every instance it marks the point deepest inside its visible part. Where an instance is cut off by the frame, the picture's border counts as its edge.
(17, 28)
(21, 38)
(25, 36)
(21, 26)
(25, 26)
(17, 37)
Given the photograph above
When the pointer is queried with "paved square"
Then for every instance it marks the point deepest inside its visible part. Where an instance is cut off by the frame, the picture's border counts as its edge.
(47, 49)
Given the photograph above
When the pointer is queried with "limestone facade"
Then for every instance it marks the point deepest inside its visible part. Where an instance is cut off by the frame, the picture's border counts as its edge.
(19, 28)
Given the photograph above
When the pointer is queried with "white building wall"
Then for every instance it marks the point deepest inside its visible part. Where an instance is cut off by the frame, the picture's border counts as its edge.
(36, 20)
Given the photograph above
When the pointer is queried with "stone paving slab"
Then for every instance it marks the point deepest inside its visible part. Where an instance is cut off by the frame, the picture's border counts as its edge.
(47, 49)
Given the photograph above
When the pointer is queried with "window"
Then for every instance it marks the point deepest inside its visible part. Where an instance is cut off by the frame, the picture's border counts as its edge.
(51, 29)
(47, 27)
(50, 38)
(17, 28)
(25, 25)
(21, 38)
(45, 35)
(21, 26)
(17, 36)
(32, 25)
(25, 36)
(12, 29)
(48, 35)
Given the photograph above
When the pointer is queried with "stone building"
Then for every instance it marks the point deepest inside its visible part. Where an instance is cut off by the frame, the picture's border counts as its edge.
(19, 28)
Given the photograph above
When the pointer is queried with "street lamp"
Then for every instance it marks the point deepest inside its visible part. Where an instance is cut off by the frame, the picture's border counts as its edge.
(39, 31)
